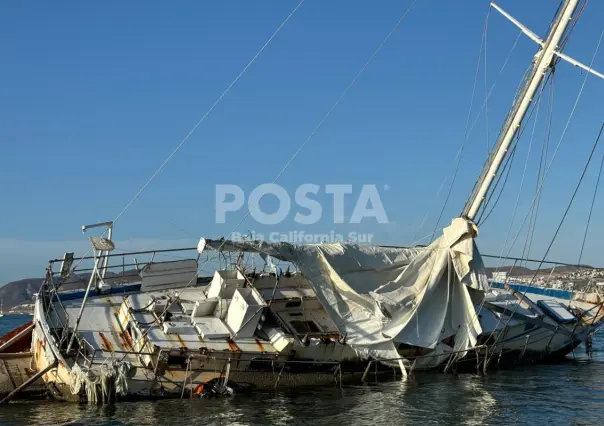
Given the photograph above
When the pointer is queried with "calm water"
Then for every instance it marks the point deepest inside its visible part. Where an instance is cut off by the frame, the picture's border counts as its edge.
(571, 393)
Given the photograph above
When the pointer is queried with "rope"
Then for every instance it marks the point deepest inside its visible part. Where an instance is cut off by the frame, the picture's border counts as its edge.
(208, 112)
(559, 225)
(507, 167)
(546, 172)
(203, 118)
(519, 134)
(486, 97)
(329, 112)
(469, 131)
(466, 132)
(521, 180)
(110, 379)
(593, 200)
(545, 175)
(542, 161)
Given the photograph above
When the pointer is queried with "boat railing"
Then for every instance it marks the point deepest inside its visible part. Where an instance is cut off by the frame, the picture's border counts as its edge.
(53, 302)
(129, 269)
(82, 352)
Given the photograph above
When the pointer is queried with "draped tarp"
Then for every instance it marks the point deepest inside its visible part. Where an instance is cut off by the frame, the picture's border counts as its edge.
(378, 296)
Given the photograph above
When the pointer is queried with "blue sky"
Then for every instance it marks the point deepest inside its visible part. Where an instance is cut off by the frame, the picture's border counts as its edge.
(95, 95)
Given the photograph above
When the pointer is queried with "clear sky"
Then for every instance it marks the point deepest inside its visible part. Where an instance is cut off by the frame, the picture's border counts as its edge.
(95, 95)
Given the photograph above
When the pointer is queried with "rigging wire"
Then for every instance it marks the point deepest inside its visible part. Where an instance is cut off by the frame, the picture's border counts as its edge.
(466, 132)
(217, 251)
(209, 111)
(532, 281)
(486, 96)
(528, 243)
(543, 182)
(554, 154)
(507, 167)
(519, 133)
(202, 119)
(495, 83)
(328, 114)
(569, 205)
(509, 232)
(555, 59)
(593, 200)
(425, 217)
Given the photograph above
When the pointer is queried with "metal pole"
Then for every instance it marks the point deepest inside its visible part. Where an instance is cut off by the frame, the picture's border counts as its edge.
(75, 329)
(28, 382)
(542, 63)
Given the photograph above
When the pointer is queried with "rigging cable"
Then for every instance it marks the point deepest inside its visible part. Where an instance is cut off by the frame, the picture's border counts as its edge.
(486, 96)
(570, 203)
(519, 133)
(543, 182)
(554, 154)
(507, 167)
(217, 251)
(556, 59)
(466, 132)
(521, 180)
(202, 119)
(528, 243)
(209, 111)
(593, 200)
(535, 209)
(328, 114)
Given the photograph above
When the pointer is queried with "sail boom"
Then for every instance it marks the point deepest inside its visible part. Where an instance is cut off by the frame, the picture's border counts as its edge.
(578, 64)
(541, 64)
(540, 42)
(514, 21)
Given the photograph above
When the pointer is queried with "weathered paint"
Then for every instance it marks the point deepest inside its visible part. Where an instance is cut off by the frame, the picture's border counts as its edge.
(8, 336)
(260, 346)
(125, 338)
(182, 342)
(233, 346)
(106, 343)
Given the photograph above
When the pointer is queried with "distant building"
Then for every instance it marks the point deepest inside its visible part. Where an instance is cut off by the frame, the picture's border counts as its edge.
(500, 276)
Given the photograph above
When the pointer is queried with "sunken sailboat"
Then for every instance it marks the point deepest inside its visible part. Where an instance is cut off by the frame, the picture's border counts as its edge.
(161, 330)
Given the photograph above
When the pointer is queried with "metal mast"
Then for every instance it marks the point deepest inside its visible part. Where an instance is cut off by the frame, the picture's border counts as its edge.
(541, 63)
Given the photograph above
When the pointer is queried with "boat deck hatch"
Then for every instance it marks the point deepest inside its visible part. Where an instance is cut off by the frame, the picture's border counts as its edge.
(557, 311)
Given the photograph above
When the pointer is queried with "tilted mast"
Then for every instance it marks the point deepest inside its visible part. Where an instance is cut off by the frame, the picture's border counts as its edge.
(542, 62)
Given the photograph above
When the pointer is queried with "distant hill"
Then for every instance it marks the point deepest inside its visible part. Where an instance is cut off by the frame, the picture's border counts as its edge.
(19, 292)
(521, 270)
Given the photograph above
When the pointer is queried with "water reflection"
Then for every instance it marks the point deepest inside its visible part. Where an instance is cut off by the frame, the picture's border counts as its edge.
(570, 393)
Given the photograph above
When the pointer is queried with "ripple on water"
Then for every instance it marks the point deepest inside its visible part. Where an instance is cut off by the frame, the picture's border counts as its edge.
(569, 393)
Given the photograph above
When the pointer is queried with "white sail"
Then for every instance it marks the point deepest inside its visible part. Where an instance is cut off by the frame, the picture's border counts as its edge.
(377, 296)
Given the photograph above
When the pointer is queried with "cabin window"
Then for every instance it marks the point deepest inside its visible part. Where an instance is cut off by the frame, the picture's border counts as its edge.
(293, 304)
(305, 327)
